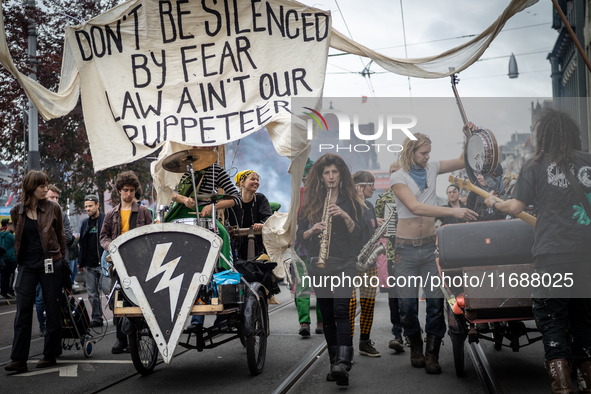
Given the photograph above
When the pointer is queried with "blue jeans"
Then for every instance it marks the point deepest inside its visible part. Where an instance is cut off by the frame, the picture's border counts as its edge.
(414, 261)
(74, 269)
(94, 283)
(40, 307)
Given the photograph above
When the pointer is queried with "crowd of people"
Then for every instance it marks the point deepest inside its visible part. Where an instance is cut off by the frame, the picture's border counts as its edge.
(336, 224)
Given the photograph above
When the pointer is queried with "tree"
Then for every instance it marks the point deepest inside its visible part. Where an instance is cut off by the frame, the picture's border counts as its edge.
(63, 143)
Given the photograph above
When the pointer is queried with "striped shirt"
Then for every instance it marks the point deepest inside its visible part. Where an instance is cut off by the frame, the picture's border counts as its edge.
(222, 180)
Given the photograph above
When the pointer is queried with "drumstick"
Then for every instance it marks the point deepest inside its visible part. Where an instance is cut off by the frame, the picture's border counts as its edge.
(467, 185)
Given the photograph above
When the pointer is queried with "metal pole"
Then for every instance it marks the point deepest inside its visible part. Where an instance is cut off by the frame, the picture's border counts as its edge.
(34, 158)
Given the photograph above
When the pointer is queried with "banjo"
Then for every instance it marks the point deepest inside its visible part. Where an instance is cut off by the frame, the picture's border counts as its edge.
(482, 150)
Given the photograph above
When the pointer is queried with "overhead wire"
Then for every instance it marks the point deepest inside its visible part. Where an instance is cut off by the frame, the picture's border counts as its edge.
(369, 85)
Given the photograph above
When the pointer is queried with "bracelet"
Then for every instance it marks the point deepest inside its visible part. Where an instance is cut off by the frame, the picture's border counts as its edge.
(494, 205)
(175, 196)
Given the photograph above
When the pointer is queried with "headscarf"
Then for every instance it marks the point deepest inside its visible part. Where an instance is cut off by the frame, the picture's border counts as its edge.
(241, 176)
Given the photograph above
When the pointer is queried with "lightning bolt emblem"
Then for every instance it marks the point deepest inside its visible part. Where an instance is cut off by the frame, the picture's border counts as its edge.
(157, 267)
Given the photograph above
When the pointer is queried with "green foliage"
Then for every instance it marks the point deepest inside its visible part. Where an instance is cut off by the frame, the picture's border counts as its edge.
(63, 143)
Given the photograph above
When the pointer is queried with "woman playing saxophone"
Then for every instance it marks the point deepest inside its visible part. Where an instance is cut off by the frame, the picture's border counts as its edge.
(345, 208)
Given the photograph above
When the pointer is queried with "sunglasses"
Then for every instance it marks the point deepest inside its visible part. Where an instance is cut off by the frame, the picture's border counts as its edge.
(370, 184)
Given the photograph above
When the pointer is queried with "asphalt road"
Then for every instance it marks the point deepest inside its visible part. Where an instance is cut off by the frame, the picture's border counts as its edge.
(224, 369)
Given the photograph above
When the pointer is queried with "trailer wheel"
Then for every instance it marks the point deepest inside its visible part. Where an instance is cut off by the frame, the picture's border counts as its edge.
(87, 347)
(144, 351)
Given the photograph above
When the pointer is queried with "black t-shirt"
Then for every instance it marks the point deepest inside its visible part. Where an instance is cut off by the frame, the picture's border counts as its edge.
(563, 229)
(370, 221)
(92, 257)
(32, 245)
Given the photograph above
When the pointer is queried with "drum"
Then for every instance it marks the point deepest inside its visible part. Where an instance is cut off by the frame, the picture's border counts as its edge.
(189, 221)
(205, 222)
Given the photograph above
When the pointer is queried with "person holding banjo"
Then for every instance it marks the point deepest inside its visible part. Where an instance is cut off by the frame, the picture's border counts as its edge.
(414, 189)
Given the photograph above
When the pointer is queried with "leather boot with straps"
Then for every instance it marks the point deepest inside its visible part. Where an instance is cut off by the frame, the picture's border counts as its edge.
(559, 372)
(432, 355)
(417, 359)
(340, 370)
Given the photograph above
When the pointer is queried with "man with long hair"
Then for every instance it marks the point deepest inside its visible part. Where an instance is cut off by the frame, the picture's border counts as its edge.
(345, 208)
(561, 244)
(414, 189)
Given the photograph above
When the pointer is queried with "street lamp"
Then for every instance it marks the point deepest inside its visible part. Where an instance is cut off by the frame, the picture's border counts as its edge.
(513, 72)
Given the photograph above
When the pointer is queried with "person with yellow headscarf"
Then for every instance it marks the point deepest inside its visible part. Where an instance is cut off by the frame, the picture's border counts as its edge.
(253, 211)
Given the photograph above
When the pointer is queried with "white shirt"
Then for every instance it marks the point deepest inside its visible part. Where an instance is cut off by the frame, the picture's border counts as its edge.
(428, 196)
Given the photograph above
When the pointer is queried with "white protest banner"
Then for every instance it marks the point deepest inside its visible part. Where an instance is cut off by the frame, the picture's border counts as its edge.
(194, 72)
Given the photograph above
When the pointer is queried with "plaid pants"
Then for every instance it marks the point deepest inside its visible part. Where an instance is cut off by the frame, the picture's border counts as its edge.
(367, 299)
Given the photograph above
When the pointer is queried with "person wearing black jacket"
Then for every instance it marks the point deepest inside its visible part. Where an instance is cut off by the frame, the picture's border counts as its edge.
(39, 248)
(90, 257)
(253, 211)
(453, 201)
(346, 209)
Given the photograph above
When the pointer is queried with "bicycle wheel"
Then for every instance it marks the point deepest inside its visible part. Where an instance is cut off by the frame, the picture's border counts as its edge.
(144, 351)
(256, 342)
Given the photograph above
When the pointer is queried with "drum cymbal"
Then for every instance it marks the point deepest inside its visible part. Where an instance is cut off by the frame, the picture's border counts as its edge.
(214, 197)
(201, 158)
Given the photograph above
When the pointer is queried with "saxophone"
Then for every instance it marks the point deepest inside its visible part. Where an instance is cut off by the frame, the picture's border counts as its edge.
(325, 235)
(370, 251)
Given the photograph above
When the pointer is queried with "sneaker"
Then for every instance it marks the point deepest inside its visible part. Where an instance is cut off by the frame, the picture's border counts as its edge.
(8, 296)
(94, 324)
(16, 366)
(366, 348)
(396, 344)
(305, 329)
(319, 328)
(42, 331)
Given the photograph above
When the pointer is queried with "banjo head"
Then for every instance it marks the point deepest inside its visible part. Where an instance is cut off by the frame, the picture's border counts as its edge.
(482, 154)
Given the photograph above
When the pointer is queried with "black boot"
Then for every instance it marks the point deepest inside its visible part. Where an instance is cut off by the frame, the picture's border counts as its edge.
(417, 359)
(332, 355)
(119, 346)
(432, 355)
(342, 366)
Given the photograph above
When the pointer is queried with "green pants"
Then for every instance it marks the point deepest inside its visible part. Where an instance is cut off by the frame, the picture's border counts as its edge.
(226, 246)
(302, 298)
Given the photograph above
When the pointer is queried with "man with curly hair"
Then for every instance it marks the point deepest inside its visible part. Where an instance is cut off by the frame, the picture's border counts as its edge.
(125, 216)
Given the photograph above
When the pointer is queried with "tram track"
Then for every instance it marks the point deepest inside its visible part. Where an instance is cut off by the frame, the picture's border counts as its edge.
(122, 380)
(484, 370)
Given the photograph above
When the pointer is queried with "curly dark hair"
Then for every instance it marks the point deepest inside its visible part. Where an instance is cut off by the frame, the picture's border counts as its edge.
(127, 178)
(557, 135)
(316, 191)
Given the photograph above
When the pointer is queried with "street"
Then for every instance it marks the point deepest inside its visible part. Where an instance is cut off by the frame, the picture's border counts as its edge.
(225, 368)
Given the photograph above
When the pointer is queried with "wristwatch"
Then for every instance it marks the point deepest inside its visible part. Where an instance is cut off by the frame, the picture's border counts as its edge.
(494, 205)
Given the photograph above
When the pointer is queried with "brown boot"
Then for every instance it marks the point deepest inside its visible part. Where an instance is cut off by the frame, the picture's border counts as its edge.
(417, 359)
(584, 377)
(559, 371)
(432, 355)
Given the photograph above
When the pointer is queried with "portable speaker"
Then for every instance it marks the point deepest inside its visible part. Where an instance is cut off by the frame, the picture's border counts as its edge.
(500, 242)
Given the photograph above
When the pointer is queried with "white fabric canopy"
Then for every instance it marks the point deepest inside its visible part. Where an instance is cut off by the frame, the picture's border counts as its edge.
(136, 55)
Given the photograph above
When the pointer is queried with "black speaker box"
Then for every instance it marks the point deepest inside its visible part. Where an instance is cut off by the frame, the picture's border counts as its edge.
(478, 244)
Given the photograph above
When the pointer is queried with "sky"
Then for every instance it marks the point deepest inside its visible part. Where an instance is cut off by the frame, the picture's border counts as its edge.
(433, 27)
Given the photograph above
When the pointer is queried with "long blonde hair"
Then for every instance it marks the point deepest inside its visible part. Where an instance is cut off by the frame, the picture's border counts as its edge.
(409, 147)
